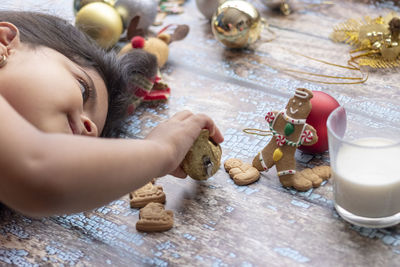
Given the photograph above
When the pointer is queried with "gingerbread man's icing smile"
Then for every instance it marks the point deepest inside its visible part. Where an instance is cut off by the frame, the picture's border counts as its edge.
(293, 111)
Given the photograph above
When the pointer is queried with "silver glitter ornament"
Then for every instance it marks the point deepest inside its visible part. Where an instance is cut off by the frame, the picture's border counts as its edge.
(208, 7)
(145, 9)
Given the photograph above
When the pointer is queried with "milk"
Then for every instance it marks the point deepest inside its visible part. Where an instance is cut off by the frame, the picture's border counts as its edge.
(367, 178)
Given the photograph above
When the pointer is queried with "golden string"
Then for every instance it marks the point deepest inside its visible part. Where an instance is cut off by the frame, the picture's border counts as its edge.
(328, 3)
(266, 25)
(352, 65)
(323, 61)
(287, 10)
(255, 131)
(359, 50)
(353, 58)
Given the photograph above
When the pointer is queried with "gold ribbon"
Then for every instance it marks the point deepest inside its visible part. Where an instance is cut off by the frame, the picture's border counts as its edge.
(352, 65)
(257, 132)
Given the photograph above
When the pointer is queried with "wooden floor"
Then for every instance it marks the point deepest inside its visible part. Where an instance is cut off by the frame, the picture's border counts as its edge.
(216, 222)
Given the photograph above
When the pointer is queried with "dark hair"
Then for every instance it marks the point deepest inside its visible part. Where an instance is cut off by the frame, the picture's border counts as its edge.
(37, 29)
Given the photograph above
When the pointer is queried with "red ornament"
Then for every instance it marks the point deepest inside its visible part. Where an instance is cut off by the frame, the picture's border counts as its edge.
(322, 105)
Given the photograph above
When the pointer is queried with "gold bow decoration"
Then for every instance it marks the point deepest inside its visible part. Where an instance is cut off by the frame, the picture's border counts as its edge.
(376, 40)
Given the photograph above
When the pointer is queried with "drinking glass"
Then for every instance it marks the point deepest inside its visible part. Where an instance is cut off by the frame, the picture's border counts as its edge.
(364, 149)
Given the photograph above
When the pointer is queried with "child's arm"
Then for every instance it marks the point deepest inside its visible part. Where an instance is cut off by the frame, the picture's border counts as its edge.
(43, 174)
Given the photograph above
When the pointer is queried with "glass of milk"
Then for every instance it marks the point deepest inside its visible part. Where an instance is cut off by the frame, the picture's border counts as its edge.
(364, 149)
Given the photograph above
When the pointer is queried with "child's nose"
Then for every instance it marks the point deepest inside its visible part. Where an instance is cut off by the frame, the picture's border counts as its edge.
(89, 127)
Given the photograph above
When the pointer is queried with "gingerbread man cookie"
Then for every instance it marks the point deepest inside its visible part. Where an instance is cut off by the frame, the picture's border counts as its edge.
(232, 163)
(244, 174)
(154, 218)
(317, 174)
(146, 194)
(289, 130)
(240, 172)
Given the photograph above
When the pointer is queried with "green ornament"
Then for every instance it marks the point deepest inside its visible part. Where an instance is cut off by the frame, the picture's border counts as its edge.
(289, 129)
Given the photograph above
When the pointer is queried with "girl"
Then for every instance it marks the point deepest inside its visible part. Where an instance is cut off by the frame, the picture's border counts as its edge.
(57, 89)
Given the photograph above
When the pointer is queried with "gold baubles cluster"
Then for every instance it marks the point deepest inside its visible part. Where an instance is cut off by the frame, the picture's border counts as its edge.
(236, 24)
(376, 41)
(105, 20)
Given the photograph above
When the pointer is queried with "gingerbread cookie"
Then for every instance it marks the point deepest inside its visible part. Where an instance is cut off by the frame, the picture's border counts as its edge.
(316, 175)
(244, 174)
(322, 171)
(289, 130)
(232, 163)
(146, 194)
(154, 218)
(203, 159)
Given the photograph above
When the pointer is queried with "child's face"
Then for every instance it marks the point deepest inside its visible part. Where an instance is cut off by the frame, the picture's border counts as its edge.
(53, 93)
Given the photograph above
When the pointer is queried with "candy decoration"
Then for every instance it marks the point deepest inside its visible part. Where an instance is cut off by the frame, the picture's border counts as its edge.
(280, 140)
(306, 136)
(277, 154)
(289, 129)
(270, 117)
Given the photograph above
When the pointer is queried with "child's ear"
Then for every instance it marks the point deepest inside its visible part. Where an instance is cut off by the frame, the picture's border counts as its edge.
(9, 36)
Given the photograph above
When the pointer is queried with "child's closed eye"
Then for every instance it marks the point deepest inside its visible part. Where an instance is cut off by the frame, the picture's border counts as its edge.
(86, 90)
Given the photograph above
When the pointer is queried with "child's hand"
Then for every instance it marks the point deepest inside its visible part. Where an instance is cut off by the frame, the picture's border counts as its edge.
(178, 134)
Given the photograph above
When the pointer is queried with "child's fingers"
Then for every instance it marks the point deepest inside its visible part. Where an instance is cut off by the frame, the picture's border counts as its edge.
(179, 173)
(206, 122)
(217, 136)
(182, 115)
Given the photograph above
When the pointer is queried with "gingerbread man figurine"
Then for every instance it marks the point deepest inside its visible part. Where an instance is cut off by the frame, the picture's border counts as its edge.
(289, 130)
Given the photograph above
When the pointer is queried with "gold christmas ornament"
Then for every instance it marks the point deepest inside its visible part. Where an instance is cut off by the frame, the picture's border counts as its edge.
(101, 22)
(281, 5)
(236, 24)
(376, 41)
(78, 4)
(203, 159)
